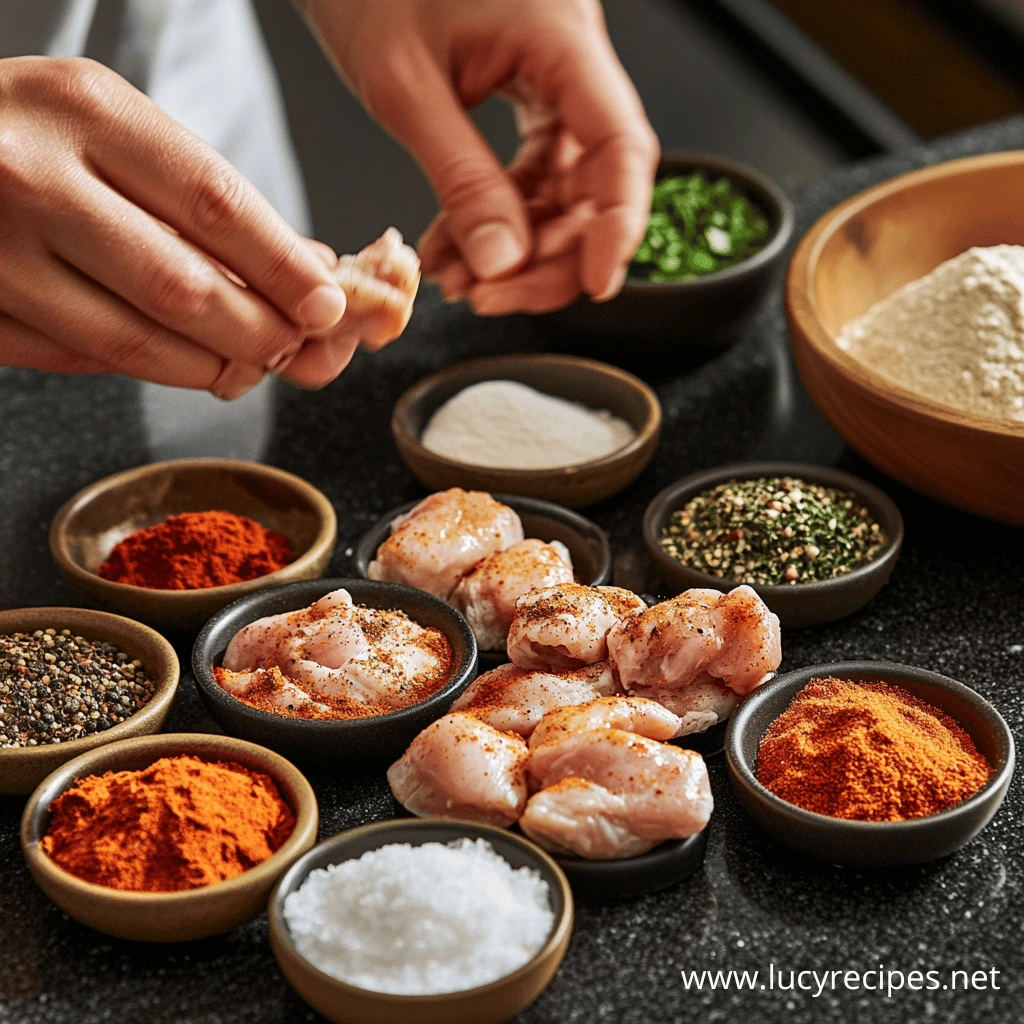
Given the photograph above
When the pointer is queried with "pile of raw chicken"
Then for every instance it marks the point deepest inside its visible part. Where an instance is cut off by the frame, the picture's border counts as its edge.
(570, 739)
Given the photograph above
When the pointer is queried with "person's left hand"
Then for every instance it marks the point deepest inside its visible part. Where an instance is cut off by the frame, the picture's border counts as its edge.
(568, 213)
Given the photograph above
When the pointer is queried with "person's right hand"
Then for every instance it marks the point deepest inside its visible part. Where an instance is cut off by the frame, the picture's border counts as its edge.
(127, 245)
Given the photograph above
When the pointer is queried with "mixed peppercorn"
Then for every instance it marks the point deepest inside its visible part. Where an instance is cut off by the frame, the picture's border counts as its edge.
(698, 226)
(777, 530)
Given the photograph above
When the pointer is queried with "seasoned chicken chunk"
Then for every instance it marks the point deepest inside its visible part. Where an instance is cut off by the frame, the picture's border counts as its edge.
(443, 537)
(460, 767)
(703, 703)
(633, 714)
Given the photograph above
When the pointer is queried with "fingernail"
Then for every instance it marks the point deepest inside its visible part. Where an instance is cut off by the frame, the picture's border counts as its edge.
(618, 279)
(323, 307)
(234, 380)
(492, 250)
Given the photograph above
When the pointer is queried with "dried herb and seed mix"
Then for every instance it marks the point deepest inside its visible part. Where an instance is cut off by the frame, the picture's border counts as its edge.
(697, 226)
(775, 530)
(55, 687)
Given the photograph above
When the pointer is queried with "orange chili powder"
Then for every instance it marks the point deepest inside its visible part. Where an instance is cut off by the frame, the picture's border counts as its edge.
(180, 824)
(195, 550)
(868, 752)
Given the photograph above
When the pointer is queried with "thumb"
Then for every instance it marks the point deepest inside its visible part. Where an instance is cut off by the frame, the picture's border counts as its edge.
(484, 209)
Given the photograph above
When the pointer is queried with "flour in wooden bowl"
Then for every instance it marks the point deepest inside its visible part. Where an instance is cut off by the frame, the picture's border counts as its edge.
(955, 336)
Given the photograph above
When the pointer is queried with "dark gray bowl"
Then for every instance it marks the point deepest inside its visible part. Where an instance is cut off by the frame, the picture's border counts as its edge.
(866, 842)
(322, 742)
(802, 604)
(608, 880)
(653, 318)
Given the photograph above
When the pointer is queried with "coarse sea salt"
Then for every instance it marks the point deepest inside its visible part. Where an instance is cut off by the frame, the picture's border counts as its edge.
(419, 920)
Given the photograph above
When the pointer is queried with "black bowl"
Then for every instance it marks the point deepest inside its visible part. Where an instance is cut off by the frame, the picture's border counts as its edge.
(799, 604)
(839, 840)
(651, 318)
(331, 742)
(607, 880)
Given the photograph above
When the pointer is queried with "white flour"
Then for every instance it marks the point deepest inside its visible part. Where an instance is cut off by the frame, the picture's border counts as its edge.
(506, 425)
(955, 336)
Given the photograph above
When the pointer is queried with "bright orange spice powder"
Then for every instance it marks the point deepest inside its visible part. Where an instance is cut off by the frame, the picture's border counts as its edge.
(868, 752)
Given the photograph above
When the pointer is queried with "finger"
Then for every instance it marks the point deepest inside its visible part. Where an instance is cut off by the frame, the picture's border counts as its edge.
(436, 247)
(559, 235)
(21, 345)
(541, 288)
(485, 213)
(323, 251)
(99, 326)
(321, 360)
(164, 168)
(454, 279)
(164, 276)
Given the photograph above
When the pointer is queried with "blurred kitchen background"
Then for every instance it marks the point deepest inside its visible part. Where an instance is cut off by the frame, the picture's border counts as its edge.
(794, 87)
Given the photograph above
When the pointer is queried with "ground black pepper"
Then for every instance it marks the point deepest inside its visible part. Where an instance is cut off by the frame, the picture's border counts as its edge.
(55, 687)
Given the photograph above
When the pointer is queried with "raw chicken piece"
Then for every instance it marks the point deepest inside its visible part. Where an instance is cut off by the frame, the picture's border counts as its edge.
(380, 283)
(631, 714)
(460, 767)
(733, 637)
(751, 640)
(335, 649)
(703, 703)
(442, 538)
(566, 626)
(487, 594)
(664, 791)
(513, 700)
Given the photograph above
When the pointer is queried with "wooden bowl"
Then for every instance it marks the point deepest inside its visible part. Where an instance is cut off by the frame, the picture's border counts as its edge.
(593, 384)
(167, 916)
(841, 841)
(858, 254)
(23, 768)
(799, 604)
(486, 1004)
(654, 318)
(321, 742)
(89, 525)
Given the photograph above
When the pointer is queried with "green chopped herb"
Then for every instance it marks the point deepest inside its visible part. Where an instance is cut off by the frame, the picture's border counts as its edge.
(773, 530)
(697, 226)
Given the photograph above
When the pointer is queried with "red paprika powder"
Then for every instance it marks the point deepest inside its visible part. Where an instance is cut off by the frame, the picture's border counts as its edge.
(195, 550)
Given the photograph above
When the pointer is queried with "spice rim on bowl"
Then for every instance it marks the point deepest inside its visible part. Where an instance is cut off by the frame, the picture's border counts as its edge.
(797, 604)
(851, 841)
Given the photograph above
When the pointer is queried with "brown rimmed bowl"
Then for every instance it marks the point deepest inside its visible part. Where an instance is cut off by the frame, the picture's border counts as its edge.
(841, 841)
(657, 318)
(797, 604)
(23, 768)
(167, 916)
(335, 742)
(486, 1004)
(95, 519)
(861, 252)
(595, 385)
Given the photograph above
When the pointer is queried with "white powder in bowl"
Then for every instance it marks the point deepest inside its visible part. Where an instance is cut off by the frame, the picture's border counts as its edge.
(418, 920)
(506, 425)
(955, 336)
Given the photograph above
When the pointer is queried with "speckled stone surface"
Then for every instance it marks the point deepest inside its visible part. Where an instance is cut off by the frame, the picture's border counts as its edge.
(955, 604)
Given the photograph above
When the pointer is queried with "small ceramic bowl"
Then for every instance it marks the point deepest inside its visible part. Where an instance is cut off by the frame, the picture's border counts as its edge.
(607, 880)
(167, 916)
(649, 318)
(799, 604)
(841, 841)
(592, 384)
(328, 743)
(23, 768)
(486, 1004)
(98, 517)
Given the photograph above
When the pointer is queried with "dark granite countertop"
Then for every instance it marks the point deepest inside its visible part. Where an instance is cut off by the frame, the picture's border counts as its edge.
(955, 604)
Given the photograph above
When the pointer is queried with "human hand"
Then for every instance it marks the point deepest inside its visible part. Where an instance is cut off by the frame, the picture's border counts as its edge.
(569, 212)
(128, 245)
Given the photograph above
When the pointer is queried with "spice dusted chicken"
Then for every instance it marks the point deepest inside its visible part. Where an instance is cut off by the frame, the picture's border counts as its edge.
(352, 660)
(567, 625)
(442, 538)
(488, 593)
(732, 637)
(514, 700)
(460, 767)
(701, 704)
(634, 714)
